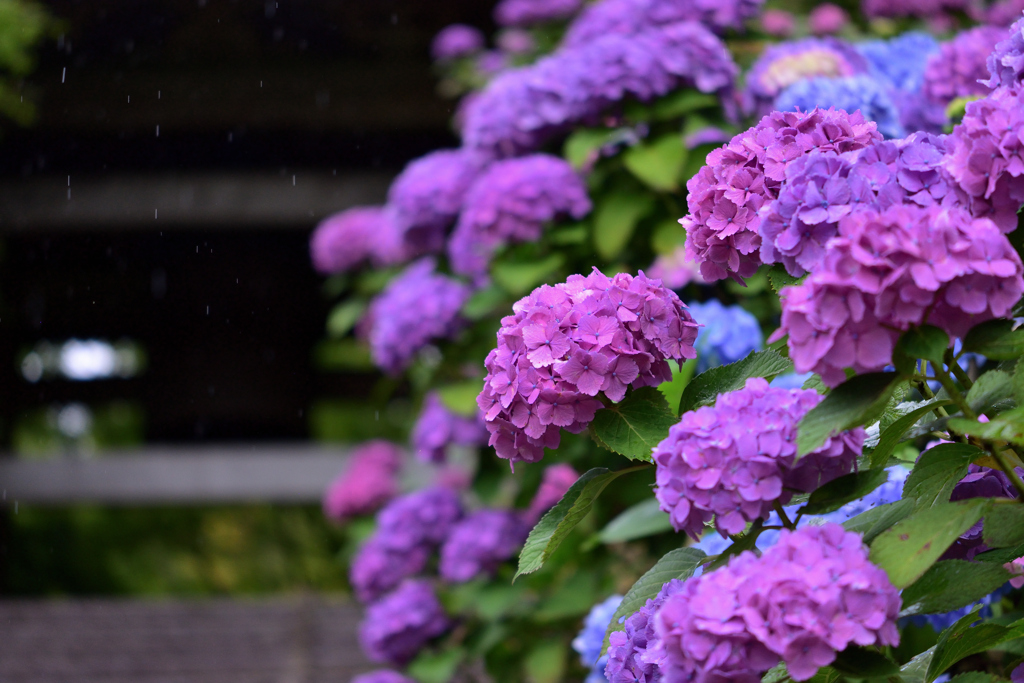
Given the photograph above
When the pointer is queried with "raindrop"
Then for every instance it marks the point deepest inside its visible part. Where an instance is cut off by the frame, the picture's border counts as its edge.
(63, 73)
(158, 130)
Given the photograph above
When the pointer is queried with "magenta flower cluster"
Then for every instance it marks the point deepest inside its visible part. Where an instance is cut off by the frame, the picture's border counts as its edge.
(958, 67)
(630, 17)
(480, 543)
(811, 595)
(1006, 63)
(437, 427)
(368, 482)
(732, 462)
(635, 653)
(415, 308)
(985, 156)
(523, 13)
(362, 233)
(888, 271)
(727, 195)
(566, 344)
(511, 202)
(399, 625)
(455, 41)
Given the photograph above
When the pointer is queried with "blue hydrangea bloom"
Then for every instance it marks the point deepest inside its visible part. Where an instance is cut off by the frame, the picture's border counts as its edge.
(900, 61)
(590, 639)
(729, 333)
(792, 380)
(853, 93)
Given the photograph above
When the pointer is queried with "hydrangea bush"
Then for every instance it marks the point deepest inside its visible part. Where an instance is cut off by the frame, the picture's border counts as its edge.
(809, 471)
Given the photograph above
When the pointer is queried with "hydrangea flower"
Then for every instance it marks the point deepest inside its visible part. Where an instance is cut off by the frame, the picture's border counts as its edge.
(363, 233)
(565, 344)
(778, 23)
(367, 483)
(861, 93)
(480, 543)
(900, 61)
(401, 623)
(523, 108)
(726, 196)
(1006, 63)
(729, 333)
(437, 427)
(809, 596)
(514, 41)
(511, 202)
(888, 271)
(379, 566)
(556, 481)
(784, 64)
(709, 135)
(980, 482)
(961, 64)
(629, 17)
(590, 640)
(382, 676)
(415, 308)
(1018, 674)
(827, 19)
(733, 461)
(634, 654)
(455, 41)
(428, 195)
(528, 12)
(675, 270)
(985, 156)
(1002, 13)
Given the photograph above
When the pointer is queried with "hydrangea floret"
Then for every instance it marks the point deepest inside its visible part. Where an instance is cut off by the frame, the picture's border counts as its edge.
(861, 93)
(480, 543)
(437, 427)
(398, 626)
(363, 233)
(368, 482)
(728, 334)
(523, 13)
(554, 483)
(635, 653)
(1006, 63)
(960, 67)
(589, 643)
(455, 41)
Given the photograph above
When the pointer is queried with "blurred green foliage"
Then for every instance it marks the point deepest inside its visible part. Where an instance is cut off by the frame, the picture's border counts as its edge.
(22, 26)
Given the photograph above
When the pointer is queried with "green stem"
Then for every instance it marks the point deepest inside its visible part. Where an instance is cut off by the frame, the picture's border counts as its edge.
(926, 391)
(1007, 467)
(782, 515)
(958, 372)
(947, 383)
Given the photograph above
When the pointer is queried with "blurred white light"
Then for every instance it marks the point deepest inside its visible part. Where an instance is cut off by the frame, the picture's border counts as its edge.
(32, 367)
(86, 360)
(74, 420)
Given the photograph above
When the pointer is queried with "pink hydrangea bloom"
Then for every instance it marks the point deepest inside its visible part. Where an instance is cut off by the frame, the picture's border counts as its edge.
(363, 233)
(778, 23)
(382, 676)
(675, 270)
(811, 595)
(1017, 569)
(565, 344)
(732, 462)
(556, 481)
(888, 271)
(727, 195)
(827, 19)
(455, 41)
(367, 483)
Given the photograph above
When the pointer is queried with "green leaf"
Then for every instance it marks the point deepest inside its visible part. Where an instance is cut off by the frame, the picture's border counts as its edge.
(926, 341)
(779, 277)
(556, 524)
(814, 382)
(616, 217)
(975, 677)
(776, 674)
(667, 236)
(916, 669)
(484, 302)
(681, 376)
(642, 520)
(676, 564)
(705, 387)
(894, 433)
(841, 491)
(989, 389)
(657, 163)
(1006, 426)
(583, 146)
(873, 522)
(461, 398)
(519, 278)
(995, 339)
(937, 471)
(1004, 525)
(344, 317)
(436, 667)
(857, 401)
(1002, 555)
(963, 640)
(860, 662)
(826, 674)
(635, 425)
(680, 102)
(950, 585)
(907, 550)
(545, 662)
(1018, 383)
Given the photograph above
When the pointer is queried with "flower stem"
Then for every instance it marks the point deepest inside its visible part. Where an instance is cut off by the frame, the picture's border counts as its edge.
(782, 515)
(958, 371)
(947, 383)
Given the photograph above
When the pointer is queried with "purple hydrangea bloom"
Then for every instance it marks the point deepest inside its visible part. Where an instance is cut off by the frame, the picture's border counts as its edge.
(675, 270)
(382, 676)
(634, 654)
(415, 308)
(1018, 674)
(428, 195)
(980, 482)
(778, 23)
(729, 333)
(985, 156)
(861, 93)
(629, 17)
(516, 41)
(961, 65)
(590, 640)
(378, 567)
(401, 623)
(480, 543)
(455, 41)
(899, 63)
(733, 461)
(726, 196)
(1002, 13)
(905, 8)
(565, 344)
(523, 108)
(363, 233)
(809, 596)
(437, 427)
(528, 12)
(827, 19)
(709, 135)
(556, 481)
(787, 63)
(511, 202)
(887, 271)
(367, 483)
(1006, 63)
